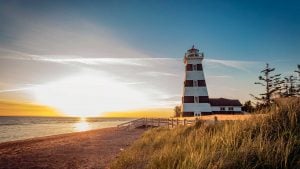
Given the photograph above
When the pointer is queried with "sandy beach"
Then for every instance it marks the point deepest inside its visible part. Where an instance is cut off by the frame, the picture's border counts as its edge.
(89, 149)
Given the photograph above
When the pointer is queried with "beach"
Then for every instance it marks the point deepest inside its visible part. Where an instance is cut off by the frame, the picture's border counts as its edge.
(88, 149)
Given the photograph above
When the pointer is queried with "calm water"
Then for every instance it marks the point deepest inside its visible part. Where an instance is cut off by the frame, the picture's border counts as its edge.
(19, 128)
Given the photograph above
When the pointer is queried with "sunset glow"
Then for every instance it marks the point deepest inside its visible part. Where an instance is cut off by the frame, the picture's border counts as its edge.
(90, 58)
(88, 95)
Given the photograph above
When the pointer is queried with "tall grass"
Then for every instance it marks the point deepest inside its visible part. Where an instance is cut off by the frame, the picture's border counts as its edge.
(269, 141)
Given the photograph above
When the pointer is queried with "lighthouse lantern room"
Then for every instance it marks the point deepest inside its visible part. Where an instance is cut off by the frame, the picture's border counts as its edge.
(195, 100)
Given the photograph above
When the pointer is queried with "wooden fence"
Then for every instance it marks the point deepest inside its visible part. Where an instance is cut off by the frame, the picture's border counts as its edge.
(156, 122)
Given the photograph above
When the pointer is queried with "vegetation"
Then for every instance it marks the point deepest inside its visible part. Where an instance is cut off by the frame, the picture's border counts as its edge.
(177, 111)
(248, 107)
(271, 140)
(275, 87)
(271, 84)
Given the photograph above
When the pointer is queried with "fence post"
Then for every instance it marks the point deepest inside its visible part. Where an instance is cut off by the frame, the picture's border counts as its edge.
(184, 122)
(152, 122)
(158, 122)
(172, 123)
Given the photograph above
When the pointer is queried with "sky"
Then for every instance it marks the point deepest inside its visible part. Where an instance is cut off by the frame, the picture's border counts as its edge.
(90, 57)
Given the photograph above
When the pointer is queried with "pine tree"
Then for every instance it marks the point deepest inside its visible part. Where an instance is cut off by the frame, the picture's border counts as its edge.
(247, 107)
(271, 83)
(290, 86)
(298, 81)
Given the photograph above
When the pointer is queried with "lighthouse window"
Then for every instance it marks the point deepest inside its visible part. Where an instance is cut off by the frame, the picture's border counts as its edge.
(194, 67)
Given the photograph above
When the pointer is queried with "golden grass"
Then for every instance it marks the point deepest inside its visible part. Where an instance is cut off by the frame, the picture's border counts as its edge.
(224, 117)
(268, 141)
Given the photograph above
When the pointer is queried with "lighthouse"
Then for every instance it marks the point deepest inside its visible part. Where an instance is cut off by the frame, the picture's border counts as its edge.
(195, 100)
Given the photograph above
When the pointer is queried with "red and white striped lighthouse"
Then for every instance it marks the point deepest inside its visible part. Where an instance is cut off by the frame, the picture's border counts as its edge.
(195, 100)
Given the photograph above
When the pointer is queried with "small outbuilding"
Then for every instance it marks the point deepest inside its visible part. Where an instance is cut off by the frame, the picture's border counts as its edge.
(225, 106)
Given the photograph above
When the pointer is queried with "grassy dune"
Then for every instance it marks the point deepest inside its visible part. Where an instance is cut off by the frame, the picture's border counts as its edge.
(269, 141)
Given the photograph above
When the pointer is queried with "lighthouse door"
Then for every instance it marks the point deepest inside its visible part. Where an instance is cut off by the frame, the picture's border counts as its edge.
(197, 113)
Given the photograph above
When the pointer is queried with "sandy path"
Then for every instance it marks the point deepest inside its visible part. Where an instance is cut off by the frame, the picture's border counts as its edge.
(90, 149)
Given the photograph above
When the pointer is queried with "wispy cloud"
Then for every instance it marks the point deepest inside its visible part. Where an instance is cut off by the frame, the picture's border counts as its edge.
(15, 89)
(219, 76)
(143, 61)
(236, 64)
(155, 74)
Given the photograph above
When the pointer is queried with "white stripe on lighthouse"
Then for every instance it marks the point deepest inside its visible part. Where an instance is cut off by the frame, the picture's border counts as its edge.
(197, 107)
(195, 91)
(194, 75)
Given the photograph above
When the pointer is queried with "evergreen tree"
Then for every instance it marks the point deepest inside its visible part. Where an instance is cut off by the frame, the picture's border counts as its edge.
(298, 81)
(271, 83)
(247, 107)
(290, 88)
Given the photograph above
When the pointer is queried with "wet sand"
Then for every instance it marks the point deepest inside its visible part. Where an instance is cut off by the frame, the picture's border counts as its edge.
(89, 149)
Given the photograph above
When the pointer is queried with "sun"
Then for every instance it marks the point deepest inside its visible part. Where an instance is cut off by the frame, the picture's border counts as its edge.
(90, 94)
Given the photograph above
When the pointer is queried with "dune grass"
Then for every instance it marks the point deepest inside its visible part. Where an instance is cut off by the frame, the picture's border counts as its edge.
(269, 141)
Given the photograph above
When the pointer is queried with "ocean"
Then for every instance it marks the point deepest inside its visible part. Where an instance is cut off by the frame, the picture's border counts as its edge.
(20, 128)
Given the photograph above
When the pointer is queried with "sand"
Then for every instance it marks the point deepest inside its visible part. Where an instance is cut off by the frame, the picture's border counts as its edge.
(89, 149)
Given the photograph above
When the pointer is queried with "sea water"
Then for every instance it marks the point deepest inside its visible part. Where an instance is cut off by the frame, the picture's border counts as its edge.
(19, 128)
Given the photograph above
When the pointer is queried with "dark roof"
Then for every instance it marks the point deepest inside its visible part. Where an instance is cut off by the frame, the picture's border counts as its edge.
(224, 102)
(193, 49)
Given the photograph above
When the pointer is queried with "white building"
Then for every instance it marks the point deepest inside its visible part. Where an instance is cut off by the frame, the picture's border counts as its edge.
(195, 100)
(225, 106)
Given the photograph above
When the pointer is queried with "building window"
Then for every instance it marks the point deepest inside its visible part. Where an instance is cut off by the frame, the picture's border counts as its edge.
(230, 108)
(222, 108)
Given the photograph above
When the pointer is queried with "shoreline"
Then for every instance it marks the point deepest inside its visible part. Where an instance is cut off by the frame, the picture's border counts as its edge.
(86, 149)
(40, 138)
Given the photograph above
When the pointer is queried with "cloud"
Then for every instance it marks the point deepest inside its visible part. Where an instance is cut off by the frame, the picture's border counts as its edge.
(236, 64)
(219, 76)
(156, 74)
(15, 89)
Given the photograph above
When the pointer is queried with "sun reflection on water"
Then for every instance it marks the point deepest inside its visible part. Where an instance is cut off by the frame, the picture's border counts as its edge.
(82, 125)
